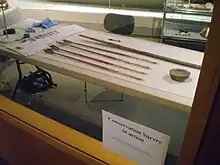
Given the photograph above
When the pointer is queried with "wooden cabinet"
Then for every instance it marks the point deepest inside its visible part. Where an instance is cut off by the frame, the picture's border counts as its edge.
(30, 138)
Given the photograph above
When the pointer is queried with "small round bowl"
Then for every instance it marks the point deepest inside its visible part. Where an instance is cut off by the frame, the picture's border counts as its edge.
(179, 75)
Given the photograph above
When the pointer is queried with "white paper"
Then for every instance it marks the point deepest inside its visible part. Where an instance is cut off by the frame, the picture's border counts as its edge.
(70, 30)
(134, 141)
(41, 40)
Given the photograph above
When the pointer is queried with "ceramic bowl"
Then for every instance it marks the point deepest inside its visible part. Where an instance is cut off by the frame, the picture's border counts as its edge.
(179, 75)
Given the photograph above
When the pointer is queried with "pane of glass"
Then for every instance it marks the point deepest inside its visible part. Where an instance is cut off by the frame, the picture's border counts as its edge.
(78, 104)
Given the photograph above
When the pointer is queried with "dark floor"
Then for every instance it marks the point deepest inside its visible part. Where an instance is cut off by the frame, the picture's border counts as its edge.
(3, 162)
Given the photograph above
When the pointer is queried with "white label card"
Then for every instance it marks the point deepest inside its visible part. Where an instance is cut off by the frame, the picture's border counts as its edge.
(134, 141)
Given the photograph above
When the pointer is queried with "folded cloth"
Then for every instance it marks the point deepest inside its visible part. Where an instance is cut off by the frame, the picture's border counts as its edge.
(46, 23)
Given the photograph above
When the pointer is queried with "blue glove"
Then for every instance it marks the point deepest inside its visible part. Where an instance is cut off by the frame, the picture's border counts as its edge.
(46, 23)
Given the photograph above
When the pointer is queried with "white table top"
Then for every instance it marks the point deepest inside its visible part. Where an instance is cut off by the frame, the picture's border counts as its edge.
(156, 85)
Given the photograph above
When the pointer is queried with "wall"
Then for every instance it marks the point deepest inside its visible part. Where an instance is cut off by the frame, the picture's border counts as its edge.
(137, 3)
(143, 25)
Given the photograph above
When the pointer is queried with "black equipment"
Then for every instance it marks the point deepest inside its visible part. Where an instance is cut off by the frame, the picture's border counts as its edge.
(36, 82)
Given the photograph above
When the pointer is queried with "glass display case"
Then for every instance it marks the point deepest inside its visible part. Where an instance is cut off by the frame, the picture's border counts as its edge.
(77, 103)
(187, 7)
(183, 23)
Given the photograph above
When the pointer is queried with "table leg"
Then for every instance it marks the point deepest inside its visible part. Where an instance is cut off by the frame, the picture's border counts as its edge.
(122, 97)
(86, 96)
(19, 80)
(85, 90)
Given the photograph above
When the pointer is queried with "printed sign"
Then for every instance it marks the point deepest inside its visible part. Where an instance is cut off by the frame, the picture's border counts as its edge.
(136, 142)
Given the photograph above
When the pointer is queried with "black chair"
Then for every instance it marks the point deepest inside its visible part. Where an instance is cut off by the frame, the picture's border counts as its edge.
(119, 24)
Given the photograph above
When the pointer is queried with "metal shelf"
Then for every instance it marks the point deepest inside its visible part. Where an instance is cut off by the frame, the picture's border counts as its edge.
(184, 39)
(180, 10)
(177, 12)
